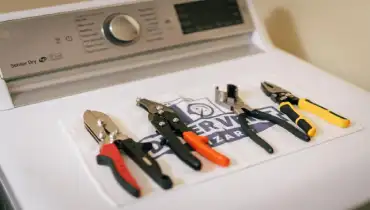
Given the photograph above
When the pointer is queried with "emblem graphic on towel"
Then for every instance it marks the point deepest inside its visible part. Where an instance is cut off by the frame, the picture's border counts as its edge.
(208, 119)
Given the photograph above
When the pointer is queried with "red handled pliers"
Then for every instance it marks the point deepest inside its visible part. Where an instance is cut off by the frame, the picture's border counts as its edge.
(113, 144)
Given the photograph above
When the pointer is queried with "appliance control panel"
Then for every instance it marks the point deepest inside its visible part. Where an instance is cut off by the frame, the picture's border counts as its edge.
(44, 44)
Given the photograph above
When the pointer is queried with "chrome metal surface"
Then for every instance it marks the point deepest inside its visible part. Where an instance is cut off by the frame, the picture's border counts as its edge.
(236, 105)
(102, 128)
(65, 53)
(152, 107)
(19, 5)
(270, 88)
(32, 90)
(59, 42)
(121, 29)
(278, 94)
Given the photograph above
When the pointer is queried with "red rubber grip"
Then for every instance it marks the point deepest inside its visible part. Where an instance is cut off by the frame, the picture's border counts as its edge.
(111, 151)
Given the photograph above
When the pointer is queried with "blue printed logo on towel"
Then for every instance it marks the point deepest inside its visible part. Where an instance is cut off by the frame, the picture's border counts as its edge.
(207, 119)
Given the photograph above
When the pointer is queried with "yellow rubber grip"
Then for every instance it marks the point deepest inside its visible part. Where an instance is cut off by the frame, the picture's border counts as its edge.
(306, 125)
(324, 113)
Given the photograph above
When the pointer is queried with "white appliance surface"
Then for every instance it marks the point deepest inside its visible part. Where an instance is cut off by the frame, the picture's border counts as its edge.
(44, 172)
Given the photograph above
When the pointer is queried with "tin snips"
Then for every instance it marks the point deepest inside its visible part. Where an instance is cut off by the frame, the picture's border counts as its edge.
(113, 144)
(168, 124)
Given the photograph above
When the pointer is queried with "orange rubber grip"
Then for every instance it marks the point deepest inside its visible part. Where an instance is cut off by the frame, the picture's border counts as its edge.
(200, 144)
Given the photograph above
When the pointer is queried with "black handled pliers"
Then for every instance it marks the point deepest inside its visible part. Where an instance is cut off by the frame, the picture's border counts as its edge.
(168, 124)
(113, 144)
(233, 102)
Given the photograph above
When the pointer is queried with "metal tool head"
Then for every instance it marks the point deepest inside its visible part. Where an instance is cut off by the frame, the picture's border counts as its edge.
(152, 107)
(278, 94)
(230, 99)
(269, 88)
(101, 127)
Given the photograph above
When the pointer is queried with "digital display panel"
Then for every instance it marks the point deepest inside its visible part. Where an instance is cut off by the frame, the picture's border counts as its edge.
(208, 14)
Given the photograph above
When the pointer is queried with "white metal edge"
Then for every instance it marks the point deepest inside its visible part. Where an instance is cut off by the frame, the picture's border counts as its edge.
(62, 8)
(260, 36)
(5, 98)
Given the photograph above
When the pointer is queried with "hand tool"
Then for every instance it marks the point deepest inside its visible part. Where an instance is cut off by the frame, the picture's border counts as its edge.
(169, 125)
(230, 100)
(113, 143)
(286, 100)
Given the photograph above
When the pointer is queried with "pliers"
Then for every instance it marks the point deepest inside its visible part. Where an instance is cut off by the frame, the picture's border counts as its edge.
(113, 143)
(286, 100)
(230, 100)
(168, 124)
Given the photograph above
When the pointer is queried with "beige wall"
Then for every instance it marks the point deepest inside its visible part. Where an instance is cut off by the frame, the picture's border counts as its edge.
(331, 34)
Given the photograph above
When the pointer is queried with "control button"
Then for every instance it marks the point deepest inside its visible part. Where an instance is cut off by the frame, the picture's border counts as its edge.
(43, 59)
(121, 29)
(69, 38)
(57, 40)
(55, 56)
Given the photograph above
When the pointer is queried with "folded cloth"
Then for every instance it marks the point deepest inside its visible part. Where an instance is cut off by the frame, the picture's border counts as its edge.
(197, 109)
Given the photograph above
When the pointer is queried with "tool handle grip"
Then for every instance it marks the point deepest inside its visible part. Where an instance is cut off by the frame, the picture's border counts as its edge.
(200, 144)
(110, 156)
(282, 123)
(138, 152)
(182, 151)
(306, 125)
(324, 113)
(174, 143)
(249, 131)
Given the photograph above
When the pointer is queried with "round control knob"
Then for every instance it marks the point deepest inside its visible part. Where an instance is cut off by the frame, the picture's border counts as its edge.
(121, 29)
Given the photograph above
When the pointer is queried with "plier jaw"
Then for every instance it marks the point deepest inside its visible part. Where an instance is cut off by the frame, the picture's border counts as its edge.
(278, 94)
(230, 99)
(152, 107)
(102, 128)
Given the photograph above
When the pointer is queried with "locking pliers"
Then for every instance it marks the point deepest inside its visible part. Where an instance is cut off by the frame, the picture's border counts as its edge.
(169, 125)
(113, 143)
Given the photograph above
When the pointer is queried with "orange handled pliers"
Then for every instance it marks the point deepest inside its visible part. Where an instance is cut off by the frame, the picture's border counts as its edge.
(169, 125)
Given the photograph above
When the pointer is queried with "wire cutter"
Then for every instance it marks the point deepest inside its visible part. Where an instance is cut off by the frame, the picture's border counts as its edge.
(230, 100)
(286, 100)
(169, 125)
(113, 143)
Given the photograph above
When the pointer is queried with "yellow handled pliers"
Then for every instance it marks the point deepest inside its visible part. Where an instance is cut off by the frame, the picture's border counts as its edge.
(286, 100)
